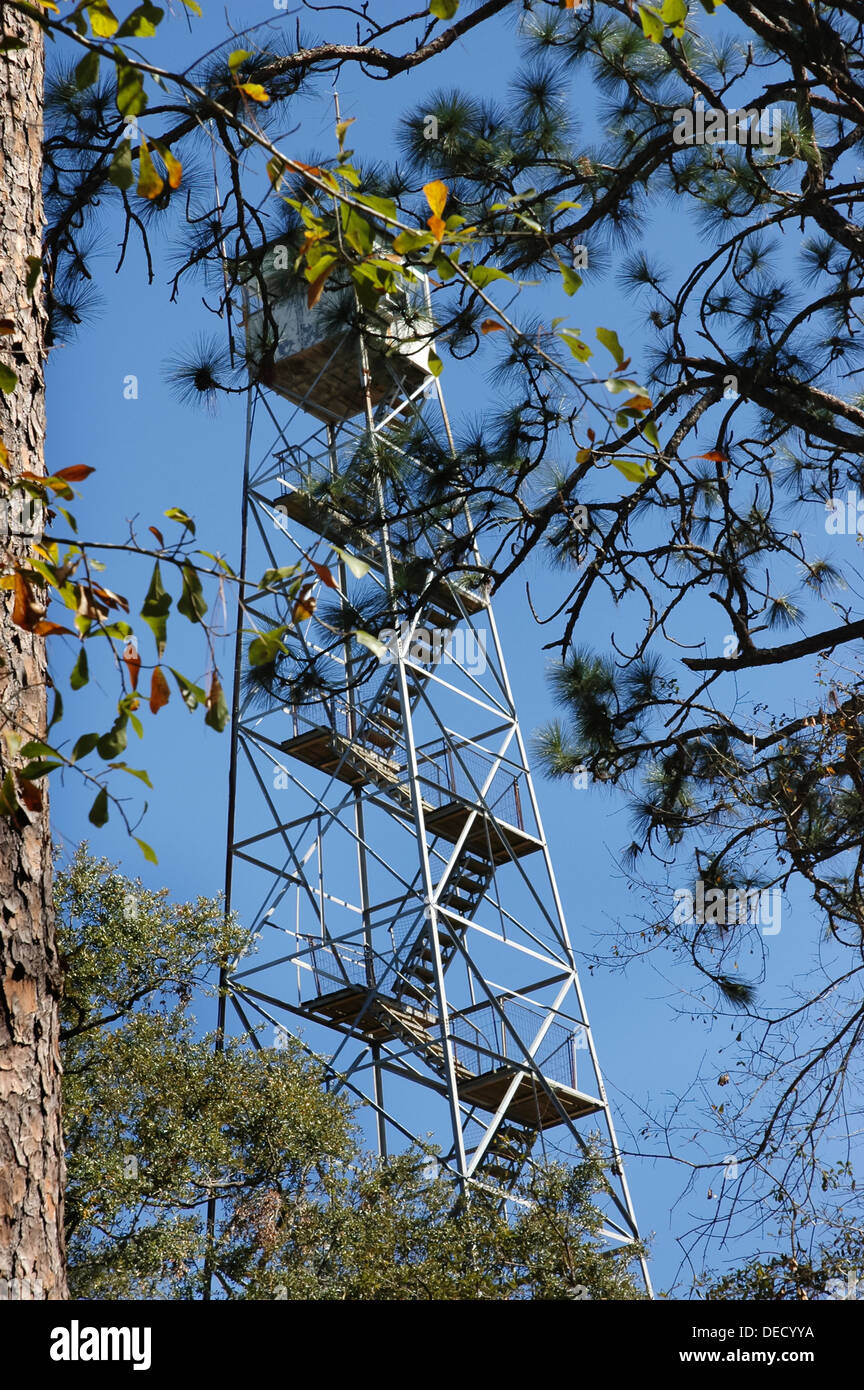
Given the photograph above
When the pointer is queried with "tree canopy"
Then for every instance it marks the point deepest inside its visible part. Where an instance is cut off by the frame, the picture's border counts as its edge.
(159, 1121)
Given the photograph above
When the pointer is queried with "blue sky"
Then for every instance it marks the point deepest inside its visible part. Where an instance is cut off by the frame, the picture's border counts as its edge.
(152, 453)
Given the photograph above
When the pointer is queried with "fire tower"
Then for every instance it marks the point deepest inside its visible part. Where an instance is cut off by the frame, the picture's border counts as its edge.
(385, 840)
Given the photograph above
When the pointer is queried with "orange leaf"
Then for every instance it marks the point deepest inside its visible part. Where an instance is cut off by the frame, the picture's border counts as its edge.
(324, 575)
(437, 228)
(75, 474)
(30, 793)
(158, 534)
(254, 90)
(436, 196)
(305, 606)
(317, 286)
(133, 663)
(159, 691)
(714, 456)
(640, 403)
(46, 629)
(173, 167)
(110, 598)
(492, 326)
(27, 610)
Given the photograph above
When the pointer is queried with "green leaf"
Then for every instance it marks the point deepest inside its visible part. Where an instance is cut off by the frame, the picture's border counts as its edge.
(385, 206)
(193, 6)
(8, 796)
(649, 429)
(192, 695)
(37, 749)
(112, 744)
(40, 768)
(217, 709)
(217, 559)
(581, 351)
(483, 275)
(443, 9)
(572, 281)
(131, 97)
(276, 170)
(57, 711)
(146, 850)
(271, 579)
(436, 366)
(87, 71)
(80, 673)
(133, 772)
(371, 643)
(264, 648)
(237, 58)
(192, 603)
(102, 22)
(634, 471)
(445, 265)
(120, 171)
(622, 383)
(674, 15)
(8, 379)
(652, 24)
(407, 242)
(178, 514)
(99, 810)
(356, 230)
(142, 22)
(85, 745)
(609, 338)
(157, 605)
(357, 567)
(34, 270)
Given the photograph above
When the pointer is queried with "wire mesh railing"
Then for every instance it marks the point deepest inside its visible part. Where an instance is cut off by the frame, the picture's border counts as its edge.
(455, 770)
(483, 1041)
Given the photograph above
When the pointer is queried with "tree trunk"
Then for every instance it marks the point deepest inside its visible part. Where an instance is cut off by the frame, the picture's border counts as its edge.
(31, 1141)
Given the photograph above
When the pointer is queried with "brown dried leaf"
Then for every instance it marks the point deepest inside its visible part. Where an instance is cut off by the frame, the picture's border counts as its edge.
(132, 662)
(160, 694)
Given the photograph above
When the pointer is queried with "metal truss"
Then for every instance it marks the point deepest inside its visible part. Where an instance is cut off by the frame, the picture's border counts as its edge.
(385, 840)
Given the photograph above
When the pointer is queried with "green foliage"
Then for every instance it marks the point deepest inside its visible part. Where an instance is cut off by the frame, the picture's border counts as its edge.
(158, 1122)
(832, 1270)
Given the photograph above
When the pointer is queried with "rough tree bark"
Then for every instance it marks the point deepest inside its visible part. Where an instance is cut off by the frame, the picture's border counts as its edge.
(31, 1146)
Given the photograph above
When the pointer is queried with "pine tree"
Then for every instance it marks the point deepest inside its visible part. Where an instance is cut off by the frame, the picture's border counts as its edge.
(31, 1147)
